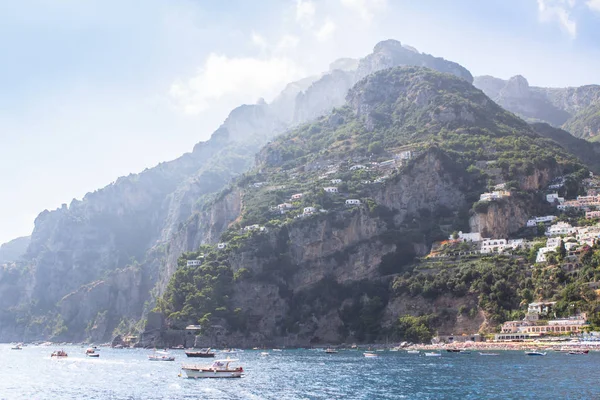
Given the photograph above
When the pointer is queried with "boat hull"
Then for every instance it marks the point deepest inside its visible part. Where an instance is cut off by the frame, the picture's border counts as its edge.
(204, 373)
(201, 355)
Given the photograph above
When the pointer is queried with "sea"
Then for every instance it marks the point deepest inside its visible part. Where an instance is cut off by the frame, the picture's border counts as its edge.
(298, 374)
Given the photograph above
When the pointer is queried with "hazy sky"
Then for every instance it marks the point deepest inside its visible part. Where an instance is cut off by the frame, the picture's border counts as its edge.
(95, 89)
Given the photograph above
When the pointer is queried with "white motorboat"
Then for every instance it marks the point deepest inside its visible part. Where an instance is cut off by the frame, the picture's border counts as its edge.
(488, 354)
(330, 351)
(413, 352)
(370, 355)
(264, 354)
(218, 369)
(534, 353)
(161, 356)
(433, 354)
(18, 346)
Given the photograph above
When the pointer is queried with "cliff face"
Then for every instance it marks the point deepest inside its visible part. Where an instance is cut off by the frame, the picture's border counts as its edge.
(143, 222)
(343, 248)
(575, 109)
(14, 250)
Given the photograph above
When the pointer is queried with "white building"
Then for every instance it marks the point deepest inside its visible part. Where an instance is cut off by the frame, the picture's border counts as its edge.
(254, 227)
(560, 228)
(468, 237)
(405, 155)
(357, 167)
(493, 246)
(592, 214)
(352, 202)
(309, 210)
(330, 189)
(336, 181)
(285, 206)
(259, 184)
(297, 196)
(542, 253)
(553, 197)
(495, 195)
(553, 242)
(387, 164)
(536, 220)
(194, 263)
(221, 245)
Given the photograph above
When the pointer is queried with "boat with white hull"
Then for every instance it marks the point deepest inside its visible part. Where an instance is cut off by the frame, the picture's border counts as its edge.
(218, 369)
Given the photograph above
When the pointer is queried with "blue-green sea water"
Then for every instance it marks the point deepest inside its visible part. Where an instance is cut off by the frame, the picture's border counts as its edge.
(299, 374)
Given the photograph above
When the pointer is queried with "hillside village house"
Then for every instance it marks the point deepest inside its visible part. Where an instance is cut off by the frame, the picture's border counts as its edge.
(309, 210)
(405, 155)
(468, 237)
(530, 326)
(330, 189)
(254, 227)
(357, 167)
(285, 206)
(551, 246)
(592, 214)
(221, 245)
(336, 181)
(495, 195)
(297, 196)
(552, 197)
(194, 263)
(352, 202)
(536, 220)
(560, 228)
(387, 164)
(500, 245)
(259, 184)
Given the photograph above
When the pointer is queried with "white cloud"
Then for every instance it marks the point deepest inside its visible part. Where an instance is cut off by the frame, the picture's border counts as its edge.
(239, 80)
(287, 42)
(559, 11)
(594, 5)
(365, 8)
(259, 41)
(305, 12)
(325, 32)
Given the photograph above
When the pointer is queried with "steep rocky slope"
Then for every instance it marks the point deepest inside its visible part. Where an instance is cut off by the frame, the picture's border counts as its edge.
(97, 263)
(14, 250)
(302, 265)
(575, 109)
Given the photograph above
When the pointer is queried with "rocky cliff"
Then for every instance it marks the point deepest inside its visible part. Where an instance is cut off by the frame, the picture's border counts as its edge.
(303, 264)
(85, 257)
(575, 109)
(14, 250)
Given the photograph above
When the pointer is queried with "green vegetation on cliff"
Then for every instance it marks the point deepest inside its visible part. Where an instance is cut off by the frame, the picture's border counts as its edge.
(416, 147)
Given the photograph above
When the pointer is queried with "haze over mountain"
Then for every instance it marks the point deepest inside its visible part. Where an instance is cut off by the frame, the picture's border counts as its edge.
(575, 109)
(115, 97)
(119, 243)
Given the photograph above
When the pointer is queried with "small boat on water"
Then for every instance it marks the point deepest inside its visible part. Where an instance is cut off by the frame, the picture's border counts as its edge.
(488, 354)
(465, 352)
(330, 351)
(535, 353)
(18, 346)
(59, 354)
(413, 352)
(453, 350)
(204, 353)
(370, 355)
(578, 352)
(433, 354)
(218, 369)
(277, 350)
(91, 352)
(161, 356)
(264, 354)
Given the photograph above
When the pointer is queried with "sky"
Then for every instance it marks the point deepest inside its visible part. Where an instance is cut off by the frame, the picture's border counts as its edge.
(91, 90)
